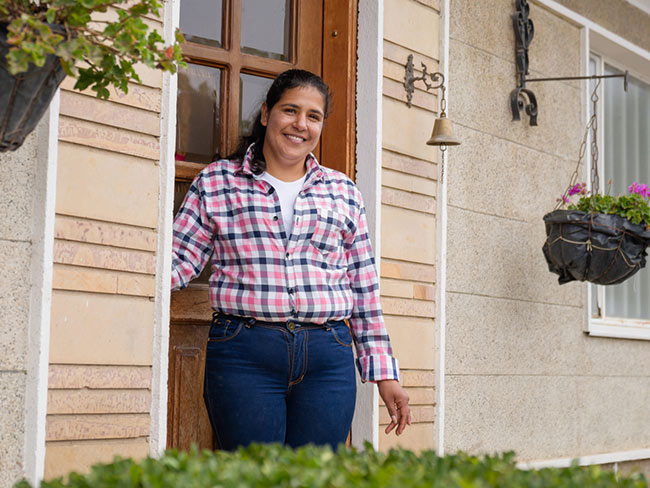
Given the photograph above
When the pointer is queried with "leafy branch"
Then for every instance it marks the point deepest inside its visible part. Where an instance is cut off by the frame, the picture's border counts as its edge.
(97, 56)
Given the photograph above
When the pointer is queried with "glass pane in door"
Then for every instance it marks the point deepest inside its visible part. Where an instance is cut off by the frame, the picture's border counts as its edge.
(253, 90)
(266, 28)
(197, 114)
(201, 21)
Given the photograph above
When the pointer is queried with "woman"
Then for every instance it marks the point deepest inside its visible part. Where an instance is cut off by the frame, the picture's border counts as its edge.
(292, 261)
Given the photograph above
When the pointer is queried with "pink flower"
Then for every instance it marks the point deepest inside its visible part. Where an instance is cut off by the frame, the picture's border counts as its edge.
(639, 189)
(580, 188)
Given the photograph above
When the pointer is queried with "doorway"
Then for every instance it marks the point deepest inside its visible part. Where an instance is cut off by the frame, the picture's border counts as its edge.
(234, 49)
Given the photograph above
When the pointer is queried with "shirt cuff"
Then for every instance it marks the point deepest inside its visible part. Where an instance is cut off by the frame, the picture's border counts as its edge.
(177, 283)
(378, 367)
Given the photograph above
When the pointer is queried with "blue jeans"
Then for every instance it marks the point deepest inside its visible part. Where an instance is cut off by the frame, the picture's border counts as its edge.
(279, 382)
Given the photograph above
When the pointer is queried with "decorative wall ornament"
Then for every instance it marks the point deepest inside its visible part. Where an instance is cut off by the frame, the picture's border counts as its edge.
(522, 97)
(442, 134)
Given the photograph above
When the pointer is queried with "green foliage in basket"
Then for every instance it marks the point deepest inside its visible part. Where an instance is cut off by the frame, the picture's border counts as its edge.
(633, 206)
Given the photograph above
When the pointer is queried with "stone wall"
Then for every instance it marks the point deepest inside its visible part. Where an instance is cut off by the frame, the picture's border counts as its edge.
(408, 223)
(101, 345)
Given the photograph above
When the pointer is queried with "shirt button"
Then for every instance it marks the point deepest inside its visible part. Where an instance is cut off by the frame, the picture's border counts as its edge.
(291, 290)
(287, 255)
(275, 217)
(271, 190)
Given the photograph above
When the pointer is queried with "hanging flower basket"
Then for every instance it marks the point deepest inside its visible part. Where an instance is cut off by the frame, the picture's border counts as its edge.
(25, 97)
(599, 248)
(601, 238)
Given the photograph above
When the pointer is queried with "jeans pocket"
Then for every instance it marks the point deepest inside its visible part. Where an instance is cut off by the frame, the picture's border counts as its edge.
(341, 333)
(224, 330)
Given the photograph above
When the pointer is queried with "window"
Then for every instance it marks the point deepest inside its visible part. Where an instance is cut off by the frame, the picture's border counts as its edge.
(624, 147)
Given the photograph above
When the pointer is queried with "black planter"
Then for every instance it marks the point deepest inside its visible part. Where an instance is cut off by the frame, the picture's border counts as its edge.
(24, 98)
(601, 249)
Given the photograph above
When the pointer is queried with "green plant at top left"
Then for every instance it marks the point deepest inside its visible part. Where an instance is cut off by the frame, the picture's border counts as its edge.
(98, 42)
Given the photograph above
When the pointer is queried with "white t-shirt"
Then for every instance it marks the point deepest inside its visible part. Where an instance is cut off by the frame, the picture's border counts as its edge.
(287, 193)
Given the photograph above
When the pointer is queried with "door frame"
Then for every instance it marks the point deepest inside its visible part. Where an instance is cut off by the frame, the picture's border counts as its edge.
(338, 47)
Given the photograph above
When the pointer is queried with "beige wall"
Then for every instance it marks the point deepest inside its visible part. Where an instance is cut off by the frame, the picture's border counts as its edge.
(103, 284)
(408, 223)
(520, 373)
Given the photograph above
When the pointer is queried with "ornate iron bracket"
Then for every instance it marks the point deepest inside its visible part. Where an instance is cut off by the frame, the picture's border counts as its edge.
(437, 79)
(522, 97)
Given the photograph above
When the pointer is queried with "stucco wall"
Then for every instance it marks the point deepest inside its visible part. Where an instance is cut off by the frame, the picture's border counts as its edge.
(521, 374)
(617, 16)
(18, 197)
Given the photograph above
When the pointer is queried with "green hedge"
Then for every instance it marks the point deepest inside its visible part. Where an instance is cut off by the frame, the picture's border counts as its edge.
(276, 466)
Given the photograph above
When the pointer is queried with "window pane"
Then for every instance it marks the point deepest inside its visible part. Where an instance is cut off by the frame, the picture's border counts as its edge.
(253, 92)
(201, 21)
(266, 28)
(627, 159)
(197, 114)
(595, 309)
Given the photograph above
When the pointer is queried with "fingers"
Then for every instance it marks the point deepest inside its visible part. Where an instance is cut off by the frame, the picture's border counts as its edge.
(404, 417)
(396, 401)
(393, 412)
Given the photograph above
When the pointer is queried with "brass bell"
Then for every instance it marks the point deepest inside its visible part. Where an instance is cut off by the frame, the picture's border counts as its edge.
(442, 134)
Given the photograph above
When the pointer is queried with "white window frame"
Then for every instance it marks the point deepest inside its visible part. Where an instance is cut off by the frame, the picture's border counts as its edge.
(623, 56)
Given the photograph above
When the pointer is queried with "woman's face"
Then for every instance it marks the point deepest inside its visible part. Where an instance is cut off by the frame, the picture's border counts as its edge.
(293, 127)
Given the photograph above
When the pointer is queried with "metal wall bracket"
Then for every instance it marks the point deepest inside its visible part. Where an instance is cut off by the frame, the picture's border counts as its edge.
(522, 97)
(437, 79)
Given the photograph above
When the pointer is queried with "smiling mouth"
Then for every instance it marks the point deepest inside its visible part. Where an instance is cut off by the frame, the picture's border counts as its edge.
(294, 138)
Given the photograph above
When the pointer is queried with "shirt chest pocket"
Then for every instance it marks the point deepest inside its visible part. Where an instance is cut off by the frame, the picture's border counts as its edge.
(327, 235)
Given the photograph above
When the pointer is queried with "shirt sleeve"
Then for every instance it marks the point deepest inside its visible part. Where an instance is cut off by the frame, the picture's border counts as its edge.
(192, 241)
(375, 359)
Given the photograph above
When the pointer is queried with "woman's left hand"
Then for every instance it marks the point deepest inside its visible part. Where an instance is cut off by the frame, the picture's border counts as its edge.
(397, 403)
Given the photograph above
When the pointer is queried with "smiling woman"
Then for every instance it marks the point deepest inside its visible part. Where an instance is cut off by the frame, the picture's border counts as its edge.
(293, 127)
(291, 267)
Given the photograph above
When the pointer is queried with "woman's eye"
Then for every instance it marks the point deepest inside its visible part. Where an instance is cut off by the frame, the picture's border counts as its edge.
(315, 118)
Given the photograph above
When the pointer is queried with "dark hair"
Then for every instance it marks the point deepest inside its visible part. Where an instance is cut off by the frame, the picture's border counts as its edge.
(292, 78)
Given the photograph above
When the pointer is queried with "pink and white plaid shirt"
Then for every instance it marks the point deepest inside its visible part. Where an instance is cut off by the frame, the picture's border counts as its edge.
(325, 270)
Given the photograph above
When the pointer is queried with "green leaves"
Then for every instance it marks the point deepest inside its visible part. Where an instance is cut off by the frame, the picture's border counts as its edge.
(633, 207)
(277, 466)
(100, 53)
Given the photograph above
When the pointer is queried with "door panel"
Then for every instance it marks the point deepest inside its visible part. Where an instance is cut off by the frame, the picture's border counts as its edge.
(218, 96)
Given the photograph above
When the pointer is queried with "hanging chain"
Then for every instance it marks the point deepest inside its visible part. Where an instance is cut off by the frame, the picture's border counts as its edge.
(594, 143)
(443, 103)
(593, 127)
(443, 149)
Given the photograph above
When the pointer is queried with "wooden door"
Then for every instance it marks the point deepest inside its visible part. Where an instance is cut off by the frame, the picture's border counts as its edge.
(234, 49)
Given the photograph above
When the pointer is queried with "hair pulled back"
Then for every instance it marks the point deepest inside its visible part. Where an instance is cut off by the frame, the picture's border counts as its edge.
(292, 78)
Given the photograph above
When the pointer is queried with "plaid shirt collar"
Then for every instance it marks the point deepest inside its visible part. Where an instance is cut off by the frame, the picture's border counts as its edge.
(314, 171)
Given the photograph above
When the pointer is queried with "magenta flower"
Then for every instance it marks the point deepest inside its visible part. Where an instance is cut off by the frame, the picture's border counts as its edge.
(563, 198)
(580, 188)
(639, 189)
